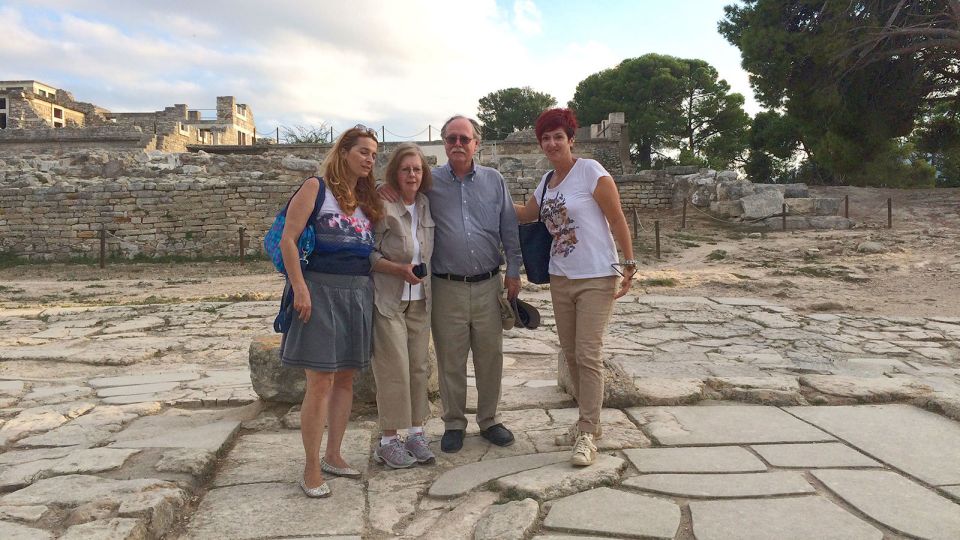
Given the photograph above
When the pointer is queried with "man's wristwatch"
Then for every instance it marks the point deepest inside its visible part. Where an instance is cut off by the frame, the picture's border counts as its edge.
(630, 262)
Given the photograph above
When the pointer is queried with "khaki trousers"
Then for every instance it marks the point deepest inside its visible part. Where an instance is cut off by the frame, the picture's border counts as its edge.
(400, 365)
(466, 317)
(582, 308)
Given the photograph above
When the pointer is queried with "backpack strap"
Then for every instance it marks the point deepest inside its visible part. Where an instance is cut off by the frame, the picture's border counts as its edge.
(542, 195)
(321, 196)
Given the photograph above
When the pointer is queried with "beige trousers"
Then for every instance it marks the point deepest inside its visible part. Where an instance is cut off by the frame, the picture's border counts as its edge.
(582, 309)
(400, 365)
(466, 318)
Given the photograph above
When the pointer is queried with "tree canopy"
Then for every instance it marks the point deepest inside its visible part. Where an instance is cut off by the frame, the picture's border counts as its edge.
(670, 104)
(852, 78)
(511, 109)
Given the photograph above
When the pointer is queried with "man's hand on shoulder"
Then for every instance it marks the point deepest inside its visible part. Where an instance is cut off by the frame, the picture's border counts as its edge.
(387, 193)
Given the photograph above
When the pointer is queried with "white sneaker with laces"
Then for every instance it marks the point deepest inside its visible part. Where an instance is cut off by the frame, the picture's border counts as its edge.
(584, 451)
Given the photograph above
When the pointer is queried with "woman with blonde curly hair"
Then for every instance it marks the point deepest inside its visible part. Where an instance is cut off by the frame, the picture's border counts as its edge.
(330, 337)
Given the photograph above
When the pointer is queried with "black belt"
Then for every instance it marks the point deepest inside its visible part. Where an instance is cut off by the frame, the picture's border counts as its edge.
(469, 279)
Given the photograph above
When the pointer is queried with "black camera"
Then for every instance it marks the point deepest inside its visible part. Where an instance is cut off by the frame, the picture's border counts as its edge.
(420, 270)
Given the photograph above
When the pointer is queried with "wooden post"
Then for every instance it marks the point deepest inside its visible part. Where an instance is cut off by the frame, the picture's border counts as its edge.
(683, 219)
(784, 214)
(889, 212)
(103, 245)
(636, 223)
(656, 232)
(243, 230)
(846, 206)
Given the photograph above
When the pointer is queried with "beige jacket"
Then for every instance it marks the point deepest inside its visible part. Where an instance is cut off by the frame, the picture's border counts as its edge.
(394, 242)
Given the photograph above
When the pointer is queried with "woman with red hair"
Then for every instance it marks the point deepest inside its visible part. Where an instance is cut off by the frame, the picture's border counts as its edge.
(581, 208)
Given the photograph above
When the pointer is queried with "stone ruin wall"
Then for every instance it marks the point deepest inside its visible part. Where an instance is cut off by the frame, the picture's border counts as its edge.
(151, 203)
(46, 140)
(88, 127)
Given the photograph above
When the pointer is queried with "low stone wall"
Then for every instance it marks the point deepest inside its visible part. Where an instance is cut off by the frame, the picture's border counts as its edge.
(69, 139)
(151, 203)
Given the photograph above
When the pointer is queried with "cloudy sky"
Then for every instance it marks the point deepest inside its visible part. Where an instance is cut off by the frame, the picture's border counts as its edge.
(403, 64)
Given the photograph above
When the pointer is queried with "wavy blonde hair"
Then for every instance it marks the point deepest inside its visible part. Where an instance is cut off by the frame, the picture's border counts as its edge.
(336, 171)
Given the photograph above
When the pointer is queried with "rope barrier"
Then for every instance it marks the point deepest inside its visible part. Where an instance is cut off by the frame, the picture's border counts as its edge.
(405, 136)
(334, 132)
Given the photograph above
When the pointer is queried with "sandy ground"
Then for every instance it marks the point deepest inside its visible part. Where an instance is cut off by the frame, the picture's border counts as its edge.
(918, 272)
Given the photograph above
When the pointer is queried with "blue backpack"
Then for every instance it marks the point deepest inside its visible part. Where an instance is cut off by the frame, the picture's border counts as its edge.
(308, 238)
(305, 246)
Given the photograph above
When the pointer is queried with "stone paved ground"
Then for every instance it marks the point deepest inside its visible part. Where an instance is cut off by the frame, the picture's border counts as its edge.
(142, 423)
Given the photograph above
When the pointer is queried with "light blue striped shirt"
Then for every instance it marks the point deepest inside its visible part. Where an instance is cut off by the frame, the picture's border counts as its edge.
(474, 217)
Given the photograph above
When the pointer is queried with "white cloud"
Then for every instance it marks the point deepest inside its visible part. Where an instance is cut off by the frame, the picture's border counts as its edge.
(526, 17)
(400, 64)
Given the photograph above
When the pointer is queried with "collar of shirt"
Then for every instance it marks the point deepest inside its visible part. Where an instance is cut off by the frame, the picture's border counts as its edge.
(470, 174)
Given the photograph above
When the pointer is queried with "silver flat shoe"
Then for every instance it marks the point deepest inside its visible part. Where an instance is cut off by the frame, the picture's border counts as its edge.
(319, 492)
(346, 472)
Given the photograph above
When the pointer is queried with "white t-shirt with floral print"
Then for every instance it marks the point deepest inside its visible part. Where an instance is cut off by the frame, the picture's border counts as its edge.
(582, 242)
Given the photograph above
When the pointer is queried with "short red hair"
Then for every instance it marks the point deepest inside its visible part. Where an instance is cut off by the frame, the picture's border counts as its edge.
(552, 119)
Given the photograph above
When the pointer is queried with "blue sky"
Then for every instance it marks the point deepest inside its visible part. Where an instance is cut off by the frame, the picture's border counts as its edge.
(401, 63)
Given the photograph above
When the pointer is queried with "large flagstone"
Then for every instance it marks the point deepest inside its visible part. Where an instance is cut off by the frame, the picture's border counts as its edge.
(721, 424)
(800, 518)
(15, 531)
(895, 501)
(721, 486)
(278, 457)
(813, 455)
(616, 513)
(461, 480)
(278, 510)
(719, 459)
(900, 435)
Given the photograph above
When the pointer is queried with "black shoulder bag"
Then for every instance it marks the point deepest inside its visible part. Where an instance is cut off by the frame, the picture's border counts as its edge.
(535, 243)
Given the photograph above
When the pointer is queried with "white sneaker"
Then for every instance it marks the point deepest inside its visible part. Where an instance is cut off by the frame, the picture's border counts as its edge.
(584, 451)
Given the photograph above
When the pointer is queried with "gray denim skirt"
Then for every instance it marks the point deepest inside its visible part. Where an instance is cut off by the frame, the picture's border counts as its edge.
(339, 332)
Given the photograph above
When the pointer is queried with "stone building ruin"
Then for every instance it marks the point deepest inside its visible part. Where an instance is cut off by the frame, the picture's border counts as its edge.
(113, 176)
(37, 117)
